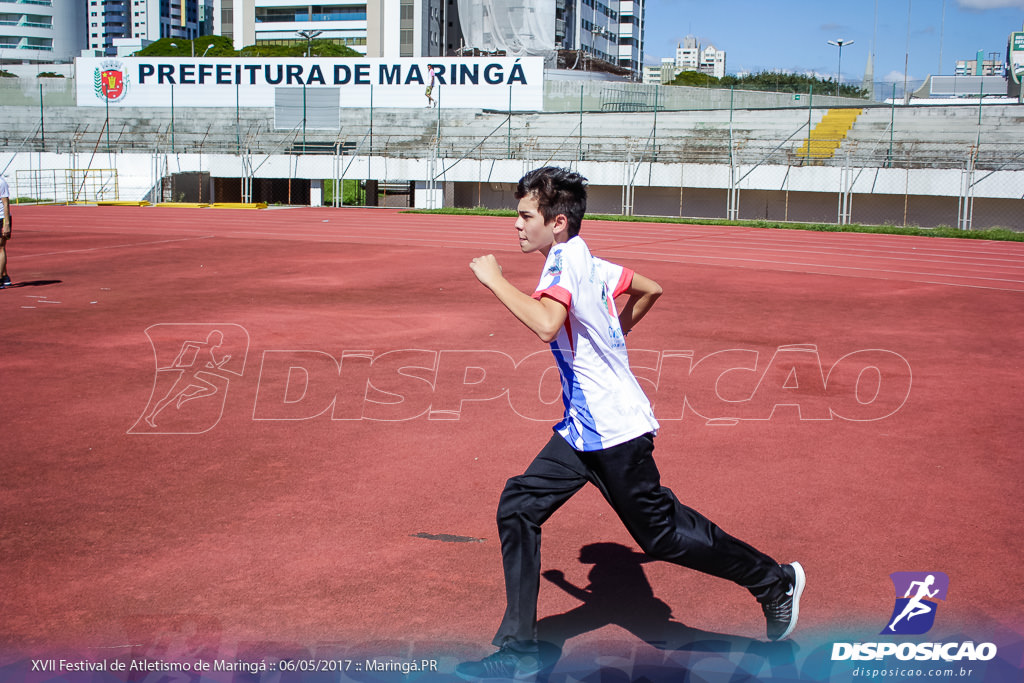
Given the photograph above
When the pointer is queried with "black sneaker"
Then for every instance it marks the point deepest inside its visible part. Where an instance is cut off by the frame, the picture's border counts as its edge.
(782, 612)
(5, 281)
(505, 663)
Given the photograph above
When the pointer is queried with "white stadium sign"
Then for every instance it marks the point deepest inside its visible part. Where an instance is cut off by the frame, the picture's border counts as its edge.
(491, 83)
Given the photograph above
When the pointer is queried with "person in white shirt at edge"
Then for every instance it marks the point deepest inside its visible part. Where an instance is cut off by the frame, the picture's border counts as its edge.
(606, 436)
(5, 231)
(431, 82)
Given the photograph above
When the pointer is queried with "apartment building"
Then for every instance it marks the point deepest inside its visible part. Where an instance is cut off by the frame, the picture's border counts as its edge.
(277, 22)
(609, 30)
(981, 65)
(33, 31)
(123, 26)
(708, 60)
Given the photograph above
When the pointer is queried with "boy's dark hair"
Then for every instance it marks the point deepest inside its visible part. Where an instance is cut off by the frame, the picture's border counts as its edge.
(558, 191)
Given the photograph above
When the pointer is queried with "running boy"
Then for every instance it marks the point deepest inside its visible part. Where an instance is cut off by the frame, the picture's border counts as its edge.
(606, 436)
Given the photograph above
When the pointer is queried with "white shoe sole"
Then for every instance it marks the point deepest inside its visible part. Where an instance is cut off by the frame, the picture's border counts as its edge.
(798, 588)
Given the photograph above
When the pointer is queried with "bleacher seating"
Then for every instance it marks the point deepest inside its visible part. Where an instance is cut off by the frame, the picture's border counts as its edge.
(938, 136)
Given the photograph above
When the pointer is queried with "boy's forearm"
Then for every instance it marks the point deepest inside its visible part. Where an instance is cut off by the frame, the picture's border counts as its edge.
(634, 310)
(643, 292)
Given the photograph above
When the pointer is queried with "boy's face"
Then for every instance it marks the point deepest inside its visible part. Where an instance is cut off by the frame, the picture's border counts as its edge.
(536, 234)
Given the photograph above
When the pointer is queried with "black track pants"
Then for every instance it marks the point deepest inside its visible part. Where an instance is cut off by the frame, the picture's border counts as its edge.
(628, 478)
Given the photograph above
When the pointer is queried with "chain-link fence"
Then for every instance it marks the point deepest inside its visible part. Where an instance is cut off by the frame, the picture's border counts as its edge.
(66, 186)
(647, 150)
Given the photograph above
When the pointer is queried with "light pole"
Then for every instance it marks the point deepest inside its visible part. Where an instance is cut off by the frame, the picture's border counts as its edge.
(208, 48)
(192, 43)
(839, 43)
(309, 36)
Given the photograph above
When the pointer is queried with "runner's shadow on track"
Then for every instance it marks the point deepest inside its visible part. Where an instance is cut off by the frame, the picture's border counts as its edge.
(33, 283)
(619, 594)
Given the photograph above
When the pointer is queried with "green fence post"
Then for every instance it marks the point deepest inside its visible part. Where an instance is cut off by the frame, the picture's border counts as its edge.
(579, 151)
(42, 124)
(810, 116)
(981, 96)
(654, 135)
(892, 123)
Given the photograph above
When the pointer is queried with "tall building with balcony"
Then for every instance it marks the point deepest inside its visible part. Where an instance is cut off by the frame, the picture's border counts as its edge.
(276, 22)
(410, 28)
(688, 54)
(608, 30)
(109, 20)
(38, 31)
(712, 62)
(631, 35)
(136, 22)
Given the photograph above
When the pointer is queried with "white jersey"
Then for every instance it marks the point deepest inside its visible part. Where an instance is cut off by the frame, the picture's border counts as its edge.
(4, 192)
(604, 404)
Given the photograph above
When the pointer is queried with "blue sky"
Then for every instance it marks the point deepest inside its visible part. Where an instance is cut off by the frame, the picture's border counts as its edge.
(793, 35)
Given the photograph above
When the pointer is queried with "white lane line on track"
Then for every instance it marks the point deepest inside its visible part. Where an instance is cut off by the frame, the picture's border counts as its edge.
(659, 256)
(779, 266)
(791, 267)
(750, 238)
(969, 251)
(920, 254)
(112, 246)
(957, 259)
(965, 248)
(596, 240)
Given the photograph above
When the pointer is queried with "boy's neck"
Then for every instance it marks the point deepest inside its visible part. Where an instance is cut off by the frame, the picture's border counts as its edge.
(560, 238)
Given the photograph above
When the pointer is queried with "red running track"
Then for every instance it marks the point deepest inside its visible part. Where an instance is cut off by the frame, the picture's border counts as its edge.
(847, 400)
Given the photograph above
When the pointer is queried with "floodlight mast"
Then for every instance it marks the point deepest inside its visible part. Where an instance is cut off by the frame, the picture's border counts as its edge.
(309, 36)
(839, 76)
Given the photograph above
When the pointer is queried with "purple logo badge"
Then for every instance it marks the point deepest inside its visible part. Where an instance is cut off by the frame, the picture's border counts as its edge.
(916, 596)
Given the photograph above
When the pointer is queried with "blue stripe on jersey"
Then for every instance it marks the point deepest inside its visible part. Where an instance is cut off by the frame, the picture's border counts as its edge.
(578, 426)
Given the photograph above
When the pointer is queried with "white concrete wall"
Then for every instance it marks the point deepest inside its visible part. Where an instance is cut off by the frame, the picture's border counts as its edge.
(772, 192)
(134, 171)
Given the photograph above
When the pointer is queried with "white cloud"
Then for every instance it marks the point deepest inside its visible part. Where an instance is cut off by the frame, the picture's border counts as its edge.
(893, 77)
(982, 5)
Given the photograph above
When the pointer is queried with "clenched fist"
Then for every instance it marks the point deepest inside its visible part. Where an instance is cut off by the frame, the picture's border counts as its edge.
(486, 269)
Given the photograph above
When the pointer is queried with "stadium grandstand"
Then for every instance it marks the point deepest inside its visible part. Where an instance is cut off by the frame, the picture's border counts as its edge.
(648, 150)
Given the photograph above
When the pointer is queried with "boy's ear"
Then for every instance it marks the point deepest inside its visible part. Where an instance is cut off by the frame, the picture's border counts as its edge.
(561, 224)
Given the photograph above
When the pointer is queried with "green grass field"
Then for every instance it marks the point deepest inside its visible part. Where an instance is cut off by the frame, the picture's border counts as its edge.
(1000, 234)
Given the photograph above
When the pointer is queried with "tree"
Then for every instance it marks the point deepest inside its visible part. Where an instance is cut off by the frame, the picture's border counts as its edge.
(695, 79)
(222, 47)
(771, 81)
(317, 48)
